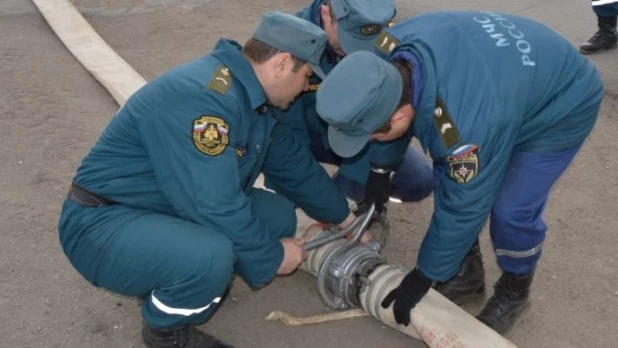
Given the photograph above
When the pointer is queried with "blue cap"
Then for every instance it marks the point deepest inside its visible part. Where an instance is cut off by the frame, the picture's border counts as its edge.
(359, 22)
(355, 104)
(287, 33)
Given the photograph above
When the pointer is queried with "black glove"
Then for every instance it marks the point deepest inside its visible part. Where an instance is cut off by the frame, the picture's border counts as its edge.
(378, 188)
(411, 290)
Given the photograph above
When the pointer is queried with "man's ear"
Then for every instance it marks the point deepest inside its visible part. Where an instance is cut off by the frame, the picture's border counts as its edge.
(398, 115)
(325, 12)
(404, 113)
(281, 62)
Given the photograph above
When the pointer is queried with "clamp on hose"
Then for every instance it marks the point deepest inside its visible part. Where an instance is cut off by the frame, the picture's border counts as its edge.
(346, 262)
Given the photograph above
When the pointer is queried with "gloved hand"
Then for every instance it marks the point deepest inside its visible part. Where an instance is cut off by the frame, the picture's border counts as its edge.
(411, 290)
(378, 188)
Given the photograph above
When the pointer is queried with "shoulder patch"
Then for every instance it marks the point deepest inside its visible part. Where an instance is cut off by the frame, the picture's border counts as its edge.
(463, 164)
(462, 151)
(221, 80)
(444, 124)
(210, 135)
(386, 42)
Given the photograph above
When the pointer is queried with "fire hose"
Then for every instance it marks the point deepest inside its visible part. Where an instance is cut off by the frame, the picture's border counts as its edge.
(354, 275)
(348, 274)
(346, 264)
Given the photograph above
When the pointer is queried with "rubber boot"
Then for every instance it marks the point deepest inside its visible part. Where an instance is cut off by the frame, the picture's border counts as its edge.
(604, 39)
(184, 337)
(468, 285)
(509, 301)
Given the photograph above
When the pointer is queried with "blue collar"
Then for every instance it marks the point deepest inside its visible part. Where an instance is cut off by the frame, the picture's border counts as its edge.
(425, 91)
(418, 79)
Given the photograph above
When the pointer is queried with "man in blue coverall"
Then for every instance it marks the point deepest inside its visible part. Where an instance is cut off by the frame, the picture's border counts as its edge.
(502, 104)
(606, 37)
(163, 206)
(353, 25)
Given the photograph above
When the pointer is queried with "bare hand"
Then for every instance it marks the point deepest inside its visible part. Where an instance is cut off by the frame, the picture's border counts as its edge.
(367, 236)
(293, 255)
(347, 221)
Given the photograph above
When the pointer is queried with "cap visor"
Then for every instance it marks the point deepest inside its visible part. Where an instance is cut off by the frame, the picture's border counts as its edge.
(346, 145)
(351, 44)
(317, 70)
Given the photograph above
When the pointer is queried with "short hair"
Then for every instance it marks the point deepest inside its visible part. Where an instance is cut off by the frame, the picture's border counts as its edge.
(260, 52)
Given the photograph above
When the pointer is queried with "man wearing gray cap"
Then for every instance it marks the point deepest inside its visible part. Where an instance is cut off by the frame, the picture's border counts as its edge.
(354, 25)
(163, 207)
(502, 104)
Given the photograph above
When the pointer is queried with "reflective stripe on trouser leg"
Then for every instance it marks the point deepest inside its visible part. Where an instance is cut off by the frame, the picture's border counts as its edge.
(180, 311)
(194, 295)
(516, 224)
(197, 279)
(604, 2)
(520, 262)
(186, 266)
(605, 8)
(520, 254)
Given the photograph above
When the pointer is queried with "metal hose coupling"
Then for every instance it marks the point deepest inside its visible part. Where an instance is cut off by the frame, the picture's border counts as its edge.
(347, 263)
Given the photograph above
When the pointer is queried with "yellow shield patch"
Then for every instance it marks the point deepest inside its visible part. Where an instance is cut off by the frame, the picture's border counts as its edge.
(210, 135)
(464, 168)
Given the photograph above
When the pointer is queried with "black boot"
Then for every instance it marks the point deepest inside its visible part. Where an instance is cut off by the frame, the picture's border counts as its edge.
(184, 337)
(468, 285)
(604, 39)
(510, 300)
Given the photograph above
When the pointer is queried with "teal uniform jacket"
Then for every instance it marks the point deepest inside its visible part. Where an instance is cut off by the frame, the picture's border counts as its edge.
(494, 84)
(190, 144)
(302, 118)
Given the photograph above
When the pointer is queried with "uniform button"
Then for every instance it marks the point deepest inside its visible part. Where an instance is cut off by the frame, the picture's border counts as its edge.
(437, 112)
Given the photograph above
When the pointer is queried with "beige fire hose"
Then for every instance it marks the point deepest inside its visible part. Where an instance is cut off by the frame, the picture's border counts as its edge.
(435, 320)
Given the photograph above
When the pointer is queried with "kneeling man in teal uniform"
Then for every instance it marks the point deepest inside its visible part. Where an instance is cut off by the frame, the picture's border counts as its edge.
(163, 207)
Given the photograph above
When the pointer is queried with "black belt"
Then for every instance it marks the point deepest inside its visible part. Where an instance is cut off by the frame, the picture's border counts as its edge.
(85, 198)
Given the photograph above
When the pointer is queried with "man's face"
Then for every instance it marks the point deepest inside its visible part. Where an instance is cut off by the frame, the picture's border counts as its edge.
(396, 126)
(289, 84)
(330, 27)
